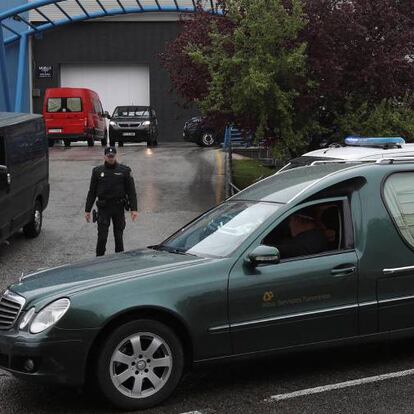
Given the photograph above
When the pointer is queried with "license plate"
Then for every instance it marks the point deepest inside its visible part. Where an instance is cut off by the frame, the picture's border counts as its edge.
(55, 131)
(128, 134)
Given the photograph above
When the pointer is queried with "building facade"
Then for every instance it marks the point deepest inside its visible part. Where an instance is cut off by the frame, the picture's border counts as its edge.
(119, 58)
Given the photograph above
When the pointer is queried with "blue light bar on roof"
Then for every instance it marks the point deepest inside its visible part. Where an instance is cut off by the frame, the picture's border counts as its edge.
(374, 142)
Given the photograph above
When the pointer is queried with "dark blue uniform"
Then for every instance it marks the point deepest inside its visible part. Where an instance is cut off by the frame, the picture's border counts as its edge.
(113, 187)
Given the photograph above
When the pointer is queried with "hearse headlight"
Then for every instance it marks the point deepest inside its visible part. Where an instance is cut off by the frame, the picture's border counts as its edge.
(146, 123)
(49, 315)
(27, 317)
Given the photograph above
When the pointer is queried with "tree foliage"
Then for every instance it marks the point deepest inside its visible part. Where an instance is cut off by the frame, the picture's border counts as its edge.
(299, 70)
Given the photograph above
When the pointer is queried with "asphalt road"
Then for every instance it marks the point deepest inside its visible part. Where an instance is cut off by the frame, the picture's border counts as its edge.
(175, 183)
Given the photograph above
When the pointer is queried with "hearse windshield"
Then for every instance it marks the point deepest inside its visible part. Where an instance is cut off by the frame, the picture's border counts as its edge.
(131, 111)
(219, 232)
(64, 105)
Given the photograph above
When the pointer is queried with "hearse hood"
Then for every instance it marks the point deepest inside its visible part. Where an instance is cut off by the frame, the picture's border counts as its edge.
(68, 279)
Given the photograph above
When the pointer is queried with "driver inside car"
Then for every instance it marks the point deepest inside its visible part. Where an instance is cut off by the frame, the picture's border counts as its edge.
(306, 236)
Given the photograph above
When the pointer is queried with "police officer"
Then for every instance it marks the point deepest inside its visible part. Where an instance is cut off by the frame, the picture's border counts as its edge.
(113, 185)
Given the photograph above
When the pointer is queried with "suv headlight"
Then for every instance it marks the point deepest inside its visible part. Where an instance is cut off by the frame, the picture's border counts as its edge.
(146, 123)
(49, 315)
(113, 123)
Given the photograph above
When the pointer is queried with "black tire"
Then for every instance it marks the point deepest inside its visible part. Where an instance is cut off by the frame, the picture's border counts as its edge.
(91, 141)
(67, 143)
(33, 229)
(208, 139)
(120, 143)
(104, 140)
(51, 143)
(112, 142)
(104, 369)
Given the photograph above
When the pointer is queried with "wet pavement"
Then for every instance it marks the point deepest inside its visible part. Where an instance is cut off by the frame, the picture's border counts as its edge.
(176, 183)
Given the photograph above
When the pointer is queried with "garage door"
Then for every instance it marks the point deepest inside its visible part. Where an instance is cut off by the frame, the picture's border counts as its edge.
(115, 84)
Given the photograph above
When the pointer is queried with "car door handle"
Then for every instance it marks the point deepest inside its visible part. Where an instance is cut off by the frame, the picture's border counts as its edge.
(342, 271)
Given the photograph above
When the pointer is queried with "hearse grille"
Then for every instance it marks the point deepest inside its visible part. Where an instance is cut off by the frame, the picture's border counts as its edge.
(129, 125)
(10, 308)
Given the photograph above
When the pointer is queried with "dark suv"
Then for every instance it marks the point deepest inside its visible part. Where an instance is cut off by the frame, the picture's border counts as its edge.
(199, 131)
(133, 124)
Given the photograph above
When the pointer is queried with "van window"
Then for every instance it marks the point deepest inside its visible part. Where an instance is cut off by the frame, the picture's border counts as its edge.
(64, 105)
(2, 151)
(399, 198)
(312, 230)
(97, 107)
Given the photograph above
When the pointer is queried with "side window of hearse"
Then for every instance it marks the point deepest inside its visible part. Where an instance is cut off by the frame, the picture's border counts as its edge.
(310, 231)
(399, 198)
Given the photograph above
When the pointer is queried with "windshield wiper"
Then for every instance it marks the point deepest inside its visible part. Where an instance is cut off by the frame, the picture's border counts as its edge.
(163, 247)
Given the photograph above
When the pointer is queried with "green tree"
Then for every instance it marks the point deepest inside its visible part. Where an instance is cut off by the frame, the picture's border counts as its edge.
(257, 70)
(390, 117)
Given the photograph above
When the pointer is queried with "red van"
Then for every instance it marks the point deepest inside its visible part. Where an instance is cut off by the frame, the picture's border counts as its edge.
(74, 114)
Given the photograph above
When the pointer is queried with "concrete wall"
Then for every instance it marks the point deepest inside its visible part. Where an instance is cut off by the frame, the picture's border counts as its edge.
(115, 42)
(12, 52)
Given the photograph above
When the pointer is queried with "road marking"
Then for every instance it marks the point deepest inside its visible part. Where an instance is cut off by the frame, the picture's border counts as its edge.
(340, 385)
(219, 178)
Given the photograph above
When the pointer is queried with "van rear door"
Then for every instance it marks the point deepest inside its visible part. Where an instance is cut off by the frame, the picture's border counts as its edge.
(5, 206)
(65, 115)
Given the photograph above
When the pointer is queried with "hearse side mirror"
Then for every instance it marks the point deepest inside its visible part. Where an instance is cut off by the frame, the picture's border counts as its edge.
(262, 255)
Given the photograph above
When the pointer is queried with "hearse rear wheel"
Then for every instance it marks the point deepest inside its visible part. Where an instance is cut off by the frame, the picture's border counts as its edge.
(66, 142)
(34, 227)
(140, 364)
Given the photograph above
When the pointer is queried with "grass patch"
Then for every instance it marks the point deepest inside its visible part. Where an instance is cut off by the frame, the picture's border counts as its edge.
(247, 172)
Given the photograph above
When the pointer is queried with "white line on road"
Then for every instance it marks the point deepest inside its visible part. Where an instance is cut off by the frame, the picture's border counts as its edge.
(340, 385)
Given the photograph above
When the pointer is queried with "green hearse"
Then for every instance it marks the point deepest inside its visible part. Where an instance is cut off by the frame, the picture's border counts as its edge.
(317, 255)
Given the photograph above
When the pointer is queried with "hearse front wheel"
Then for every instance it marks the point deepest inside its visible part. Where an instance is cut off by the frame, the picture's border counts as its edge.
(140, 364)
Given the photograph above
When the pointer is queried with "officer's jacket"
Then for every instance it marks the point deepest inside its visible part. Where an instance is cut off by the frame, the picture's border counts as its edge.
(111, 183)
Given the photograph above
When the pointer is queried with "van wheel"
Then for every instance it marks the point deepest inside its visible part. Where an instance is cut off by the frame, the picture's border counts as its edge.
(140, 365)
(33, 229)
(66, 142)
(91, 141)
(51, 142)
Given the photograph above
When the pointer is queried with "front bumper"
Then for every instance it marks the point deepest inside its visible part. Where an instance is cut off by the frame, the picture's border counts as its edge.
(58, 358)
(70, 137)
(192, 135)
(129, 134)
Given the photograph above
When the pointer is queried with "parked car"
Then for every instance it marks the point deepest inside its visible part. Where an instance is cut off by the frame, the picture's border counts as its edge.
(197, 130)
(24, 175)
(74, 114)
(133, 124)
(356, 148)
(228, 285)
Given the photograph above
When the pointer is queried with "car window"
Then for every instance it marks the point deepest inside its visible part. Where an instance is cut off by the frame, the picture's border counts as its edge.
(312, 230)
(131, 111)
(221, 231)
(55, 105)
(399, 198)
